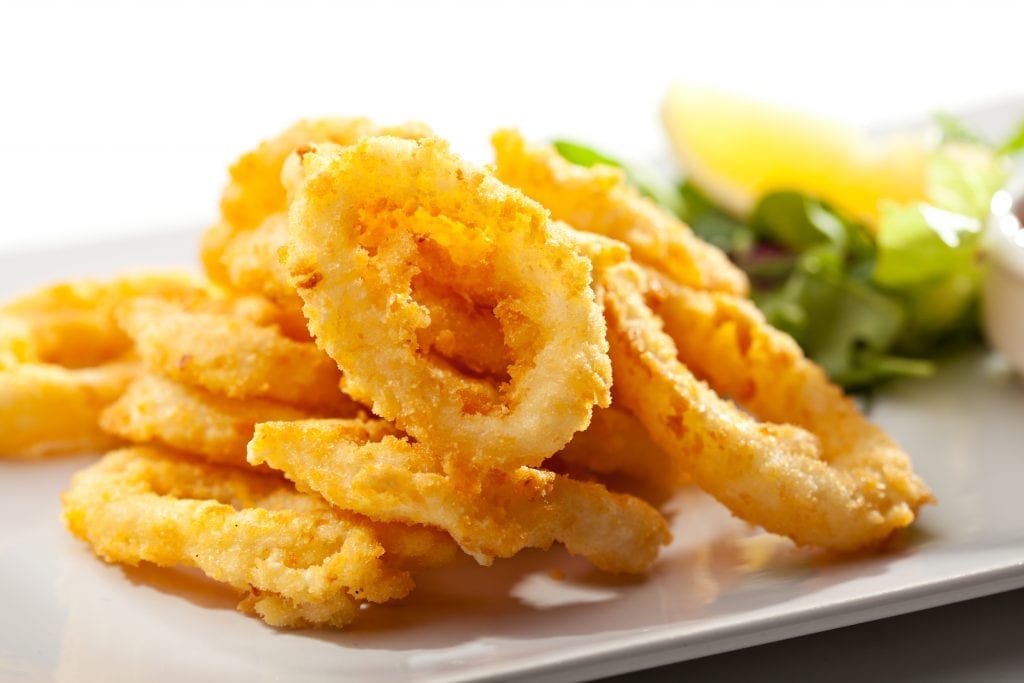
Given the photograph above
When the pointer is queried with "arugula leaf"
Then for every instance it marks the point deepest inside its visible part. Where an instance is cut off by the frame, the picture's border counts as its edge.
(869, 306)
(941, 313)
(713, 225)
(581, 155)
(852, 345)
(842, 322)
(870, 369)
(796, 221)
(806, 299)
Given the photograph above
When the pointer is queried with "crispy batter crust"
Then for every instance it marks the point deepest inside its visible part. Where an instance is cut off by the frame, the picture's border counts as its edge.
(233, 357)
(363, 217)
(48, 410)
(774, 475)
(364, 467)
(254, 193)
(616, 442)
(295, 560)
(71, 324)
(156, 409)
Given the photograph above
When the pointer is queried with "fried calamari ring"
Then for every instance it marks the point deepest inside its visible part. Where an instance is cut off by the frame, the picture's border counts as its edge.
(16, 344)
(47, 409)
(361, 466)
(599, 200)
(246, 251)
(727, 342)
(253, 261)
(297, 561)
(230, 356)
(155, 409)
(63, 359)
(462, 332)
(361, 219)
(468, 334)
(72, 324)
(459, 330)
(254, 191)
(616, 442)
(774, 475)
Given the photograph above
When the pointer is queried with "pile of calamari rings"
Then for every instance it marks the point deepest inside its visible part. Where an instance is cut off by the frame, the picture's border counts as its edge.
(397, 358)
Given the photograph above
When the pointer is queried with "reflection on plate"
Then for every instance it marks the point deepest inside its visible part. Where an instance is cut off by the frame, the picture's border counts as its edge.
(721, 585)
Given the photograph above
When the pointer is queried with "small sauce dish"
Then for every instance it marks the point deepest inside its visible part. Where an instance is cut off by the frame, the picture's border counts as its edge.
(1003, 292)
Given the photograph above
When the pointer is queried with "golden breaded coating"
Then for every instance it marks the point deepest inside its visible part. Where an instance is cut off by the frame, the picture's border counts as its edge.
(71, 324)
(397, 356)
(16, 343)
(362, 218)
(618, 443)
(461, 331)
(49, 410)
(362, 467)
(156, 409)
(233, 357)
(253, 261)
(728, 343)
(295, 560)
(254, 191)
(773, 475)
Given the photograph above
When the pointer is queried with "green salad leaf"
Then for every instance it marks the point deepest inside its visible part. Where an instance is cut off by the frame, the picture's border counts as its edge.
(714, 225)
(827, 302)
(581, 155)
(920, 242)
(962, 178)
(797, 222)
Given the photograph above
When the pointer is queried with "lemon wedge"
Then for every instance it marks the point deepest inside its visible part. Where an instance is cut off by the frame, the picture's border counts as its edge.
(736, 150)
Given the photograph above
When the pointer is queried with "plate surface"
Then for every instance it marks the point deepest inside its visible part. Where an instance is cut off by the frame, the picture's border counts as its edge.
(721, 585)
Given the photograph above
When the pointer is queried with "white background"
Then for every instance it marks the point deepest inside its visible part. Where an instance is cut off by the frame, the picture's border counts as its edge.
(122, 117)
(119, 118)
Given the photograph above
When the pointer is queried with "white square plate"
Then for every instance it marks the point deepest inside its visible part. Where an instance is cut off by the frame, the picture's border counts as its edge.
(720, 586)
